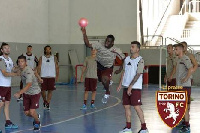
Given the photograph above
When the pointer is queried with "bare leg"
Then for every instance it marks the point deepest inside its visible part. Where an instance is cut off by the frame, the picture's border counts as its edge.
(34, 114)
(49, 95)
(140, 114)
(106, 82)
(86, 95)
(1, 105)
(127, 112)
(187, 116)
(44, 95)
(93, 95)
(6, 110)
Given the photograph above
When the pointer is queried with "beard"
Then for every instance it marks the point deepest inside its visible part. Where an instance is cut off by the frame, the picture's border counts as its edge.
(6, 53)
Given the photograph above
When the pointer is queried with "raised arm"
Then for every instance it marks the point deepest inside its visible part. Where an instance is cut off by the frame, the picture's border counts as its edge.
(85, 38)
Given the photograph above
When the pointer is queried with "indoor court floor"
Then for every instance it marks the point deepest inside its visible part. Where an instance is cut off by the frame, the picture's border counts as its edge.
(65, 115)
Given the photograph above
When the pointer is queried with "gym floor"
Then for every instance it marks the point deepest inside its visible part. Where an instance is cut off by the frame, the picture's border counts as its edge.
(65, 115)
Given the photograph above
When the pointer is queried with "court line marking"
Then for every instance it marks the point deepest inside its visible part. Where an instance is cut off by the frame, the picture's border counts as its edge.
(73, 118)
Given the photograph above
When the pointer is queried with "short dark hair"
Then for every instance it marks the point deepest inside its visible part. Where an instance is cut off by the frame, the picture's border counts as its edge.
(21, 57)
(3, 44)
(184, 43)
(112, 37)
(47, 46)
(170, 45)
(179, 45)
(29, 46)
(137, 43)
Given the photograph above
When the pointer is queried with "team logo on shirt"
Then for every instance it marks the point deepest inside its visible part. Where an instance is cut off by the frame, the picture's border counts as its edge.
(171, 106)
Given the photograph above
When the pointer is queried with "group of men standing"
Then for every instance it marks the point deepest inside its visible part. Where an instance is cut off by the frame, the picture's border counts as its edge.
(32, 73)
(180, 66)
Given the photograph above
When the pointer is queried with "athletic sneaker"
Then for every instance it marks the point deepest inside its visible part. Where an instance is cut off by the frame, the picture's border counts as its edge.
(0, 131)
(143, 131)
(47, 106)
(38, 118)
(84, 107)
(93, 106)
(185, 130)
(11, 126)
(126, 130)
(36, 127)
(105, 98)
(44, 105)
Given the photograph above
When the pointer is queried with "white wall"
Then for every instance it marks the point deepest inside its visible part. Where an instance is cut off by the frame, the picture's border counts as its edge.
(24, 21)
(56, 21)
(105, 17)
(59, 21)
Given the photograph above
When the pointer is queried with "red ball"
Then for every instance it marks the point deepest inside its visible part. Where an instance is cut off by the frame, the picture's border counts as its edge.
(83, 22)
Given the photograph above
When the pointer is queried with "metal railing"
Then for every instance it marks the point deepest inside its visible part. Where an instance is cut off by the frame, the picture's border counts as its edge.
(184, 8)
(186, 33)
(189, 48)
(160, 58)
(191, 7)
(149, 40)
(194, 6)
(162, 18)
(163, 46)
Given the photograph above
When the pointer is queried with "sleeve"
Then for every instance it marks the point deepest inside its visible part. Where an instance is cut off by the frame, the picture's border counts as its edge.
(140, 66)
(29, 76)
(85, 62)
(175, 59)
(96, 45)
(188, 63)
(119, 53)
(2, 65)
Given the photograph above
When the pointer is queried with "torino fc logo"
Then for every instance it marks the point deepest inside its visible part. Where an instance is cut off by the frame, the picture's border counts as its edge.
(171, 106)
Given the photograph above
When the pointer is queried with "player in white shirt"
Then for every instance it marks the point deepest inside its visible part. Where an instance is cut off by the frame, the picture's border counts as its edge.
(131, 80)
(6, 72)
(49, 71)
